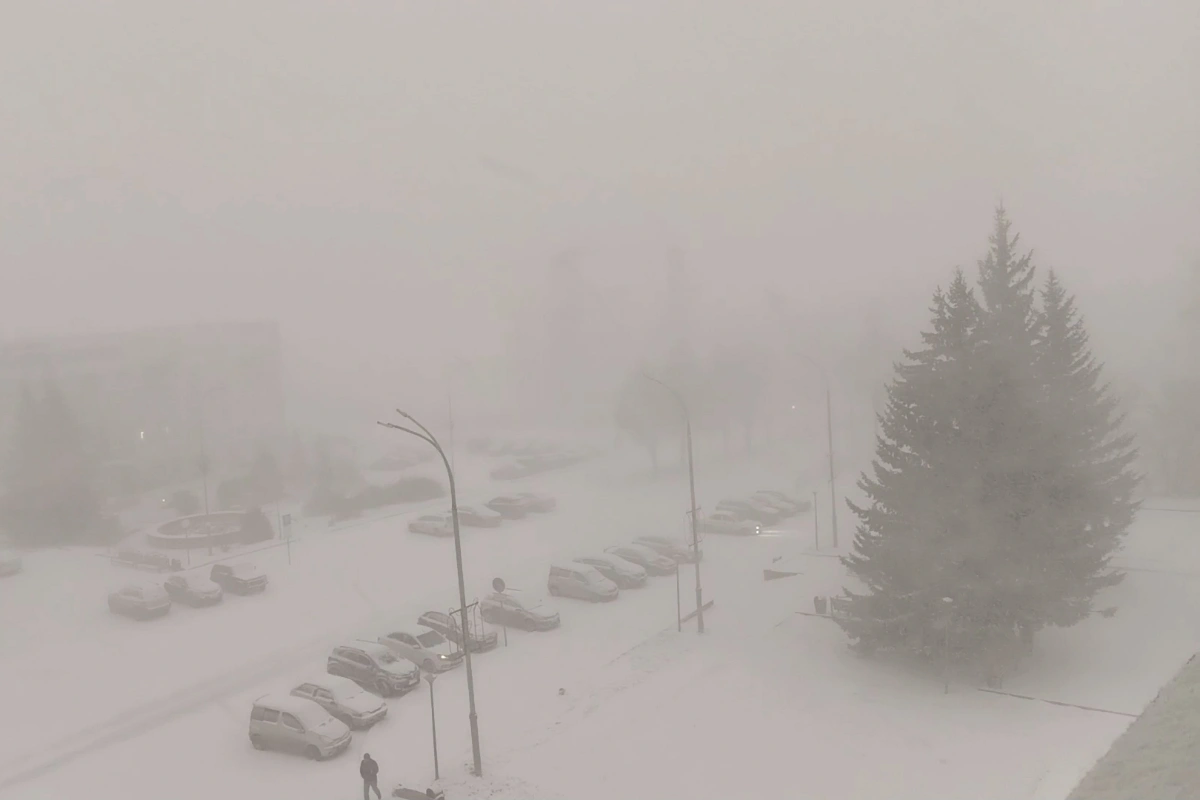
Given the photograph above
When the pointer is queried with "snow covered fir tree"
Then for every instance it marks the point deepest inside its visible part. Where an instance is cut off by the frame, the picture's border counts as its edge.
(1002, 483)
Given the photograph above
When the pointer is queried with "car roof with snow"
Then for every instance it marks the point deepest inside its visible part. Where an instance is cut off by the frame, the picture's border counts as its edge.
(570, 566)
(326, 681)
(287, 703)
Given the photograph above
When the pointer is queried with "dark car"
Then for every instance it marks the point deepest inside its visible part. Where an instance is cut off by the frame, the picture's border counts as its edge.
(374, 667)
(140, 602)
(625, 574)
(509, 506)
(478, 639)
(754, 512)
(516, 609)
(654, 563)
(193, 590)
(671, 548)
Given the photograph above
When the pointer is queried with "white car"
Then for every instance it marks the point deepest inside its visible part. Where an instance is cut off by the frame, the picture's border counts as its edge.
(479, 517)
(725, 522)
(344, 699)
(426, 648)
(433, 525)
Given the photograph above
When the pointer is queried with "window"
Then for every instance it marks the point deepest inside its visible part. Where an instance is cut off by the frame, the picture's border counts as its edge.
(430, 639)
(357, 658)
(258, 713)
(304, 689)
(323, 695)
(291, 722)
(270, 715)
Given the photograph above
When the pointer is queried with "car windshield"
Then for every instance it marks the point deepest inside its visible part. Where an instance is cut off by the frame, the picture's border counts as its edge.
(386, 657)
(594, 577)
(430, 639)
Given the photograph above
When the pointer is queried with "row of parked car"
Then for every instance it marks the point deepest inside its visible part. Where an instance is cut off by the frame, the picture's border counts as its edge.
(316, 718)
(746, 516)
(151, 600)
(484, 515)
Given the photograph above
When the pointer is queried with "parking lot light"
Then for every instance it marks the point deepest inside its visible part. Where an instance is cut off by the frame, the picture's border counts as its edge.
(424, 434)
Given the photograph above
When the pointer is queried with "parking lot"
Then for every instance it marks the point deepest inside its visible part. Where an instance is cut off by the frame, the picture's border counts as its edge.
(185, 682)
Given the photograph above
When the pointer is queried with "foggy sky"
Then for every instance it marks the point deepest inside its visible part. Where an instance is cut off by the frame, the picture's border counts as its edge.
(388, 179)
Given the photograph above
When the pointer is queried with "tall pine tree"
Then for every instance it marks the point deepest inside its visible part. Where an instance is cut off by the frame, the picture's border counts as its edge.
(1002, 483)
(910, 537)
(1088, 491)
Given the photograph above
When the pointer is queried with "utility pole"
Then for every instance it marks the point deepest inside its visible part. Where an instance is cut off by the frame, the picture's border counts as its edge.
(832, 484)
(687, 421)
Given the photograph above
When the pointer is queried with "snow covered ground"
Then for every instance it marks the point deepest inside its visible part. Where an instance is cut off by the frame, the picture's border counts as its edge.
(767, 703)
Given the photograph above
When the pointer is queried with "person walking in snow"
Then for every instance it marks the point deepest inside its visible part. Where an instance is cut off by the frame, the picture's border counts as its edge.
(369, 770)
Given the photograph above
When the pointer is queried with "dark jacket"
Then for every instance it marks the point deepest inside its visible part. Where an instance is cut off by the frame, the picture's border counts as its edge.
(369, 769)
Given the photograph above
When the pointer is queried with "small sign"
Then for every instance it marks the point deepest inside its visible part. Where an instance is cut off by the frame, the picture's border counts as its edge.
(498, 584)
(287, 520)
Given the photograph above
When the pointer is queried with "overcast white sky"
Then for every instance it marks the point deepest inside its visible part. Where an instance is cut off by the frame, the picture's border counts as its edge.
(364, 170)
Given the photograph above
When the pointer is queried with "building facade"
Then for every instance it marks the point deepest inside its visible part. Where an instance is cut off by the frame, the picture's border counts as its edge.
(159, 405)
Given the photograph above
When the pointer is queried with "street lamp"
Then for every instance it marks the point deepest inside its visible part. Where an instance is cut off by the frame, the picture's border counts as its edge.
(829, 435)
(428, 437)
(687, 421)
(430, 678)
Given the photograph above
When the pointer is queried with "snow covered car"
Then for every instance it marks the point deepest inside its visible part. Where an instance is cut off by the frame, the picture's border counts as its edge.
(539, 502)
(243, 578)
(284, 722)
(478, 639)
(433, 525)
(475, 517)
(625, 574)
(193, 590)
(428, 649)
(745, 509)
(344, 699)
(10, 564)
(781, 507)
(513, 608)
(582, 582)
(676, 549)
(509, 506)
(373, 667)
(140, 602)
(728, 524)
(654, 563)
(801, 506)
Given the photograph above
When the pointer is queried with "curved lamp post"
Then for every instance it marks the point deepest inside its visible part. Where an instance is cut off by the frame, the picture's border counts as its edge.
(687, 421)
(428, 437)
